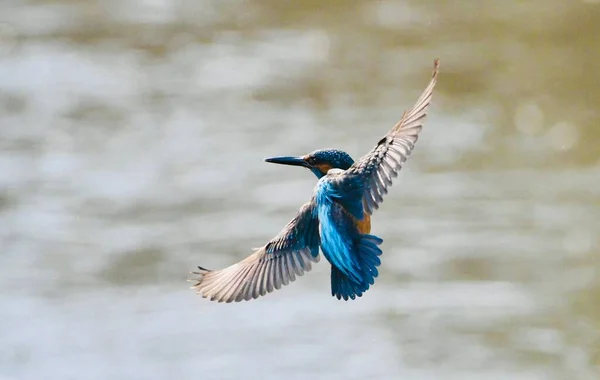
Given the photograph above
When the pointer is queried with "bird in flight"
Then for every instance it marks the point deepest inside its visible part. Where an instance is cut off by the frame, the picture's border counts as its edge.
(337, 219)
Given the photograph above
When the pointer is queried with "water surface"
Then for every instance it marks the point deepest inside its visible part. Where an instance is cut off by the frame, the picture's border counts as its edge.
(131, 143)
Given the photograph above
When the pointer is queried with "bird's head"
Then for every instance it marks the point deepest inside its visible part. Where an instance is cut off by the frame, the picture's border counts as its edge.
(319, 161)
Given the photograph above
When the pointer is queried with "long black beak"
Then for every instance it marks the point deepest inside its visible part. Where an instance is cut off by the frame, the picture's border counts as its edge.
(288, 160)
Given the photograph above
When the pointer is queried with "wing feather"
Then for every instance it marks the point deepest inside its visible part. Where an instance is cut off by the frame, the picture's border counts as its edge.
(276, 264)
(377, 169)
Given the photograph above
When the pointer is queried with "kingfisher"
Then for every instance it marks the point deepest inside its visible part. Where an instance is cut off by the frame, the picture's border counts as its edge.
(336, 220)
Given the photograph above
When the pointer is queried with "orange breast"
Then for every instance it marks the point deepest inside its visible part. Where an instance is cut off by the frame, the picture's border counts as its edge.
(364, 226)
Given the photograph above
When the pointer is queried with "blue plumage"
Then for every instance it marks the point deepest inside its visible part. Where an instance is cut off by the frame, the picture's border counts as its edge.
(337, 219)
(353, 256)
(367, 254)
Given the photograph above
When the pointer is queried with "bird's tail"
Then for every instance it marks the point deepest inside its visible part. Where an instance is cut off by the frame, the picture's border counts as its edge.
(367, 253)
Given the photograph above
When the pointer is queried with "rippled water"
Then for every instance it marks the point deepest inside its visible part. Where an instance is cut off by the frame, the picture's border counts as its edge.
(132, 136)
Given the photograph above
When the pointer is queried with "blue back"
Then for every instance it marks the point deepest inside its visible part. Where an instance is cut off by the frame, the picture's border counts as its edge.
(354, 257)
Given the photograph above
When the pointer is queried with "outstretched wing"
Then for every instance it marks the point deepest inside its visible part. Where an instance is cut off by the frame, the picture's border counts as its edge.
(375, 171)
(275, 264)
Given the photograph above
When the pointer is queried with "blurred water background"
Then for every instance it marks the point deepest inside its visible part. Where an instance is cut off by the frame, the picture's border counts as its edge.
(132, 135)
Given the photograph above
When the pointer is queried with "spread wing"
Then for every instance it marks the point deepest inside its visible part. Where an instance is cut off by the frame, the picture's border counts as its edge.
(375, 171)
(271, 266)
